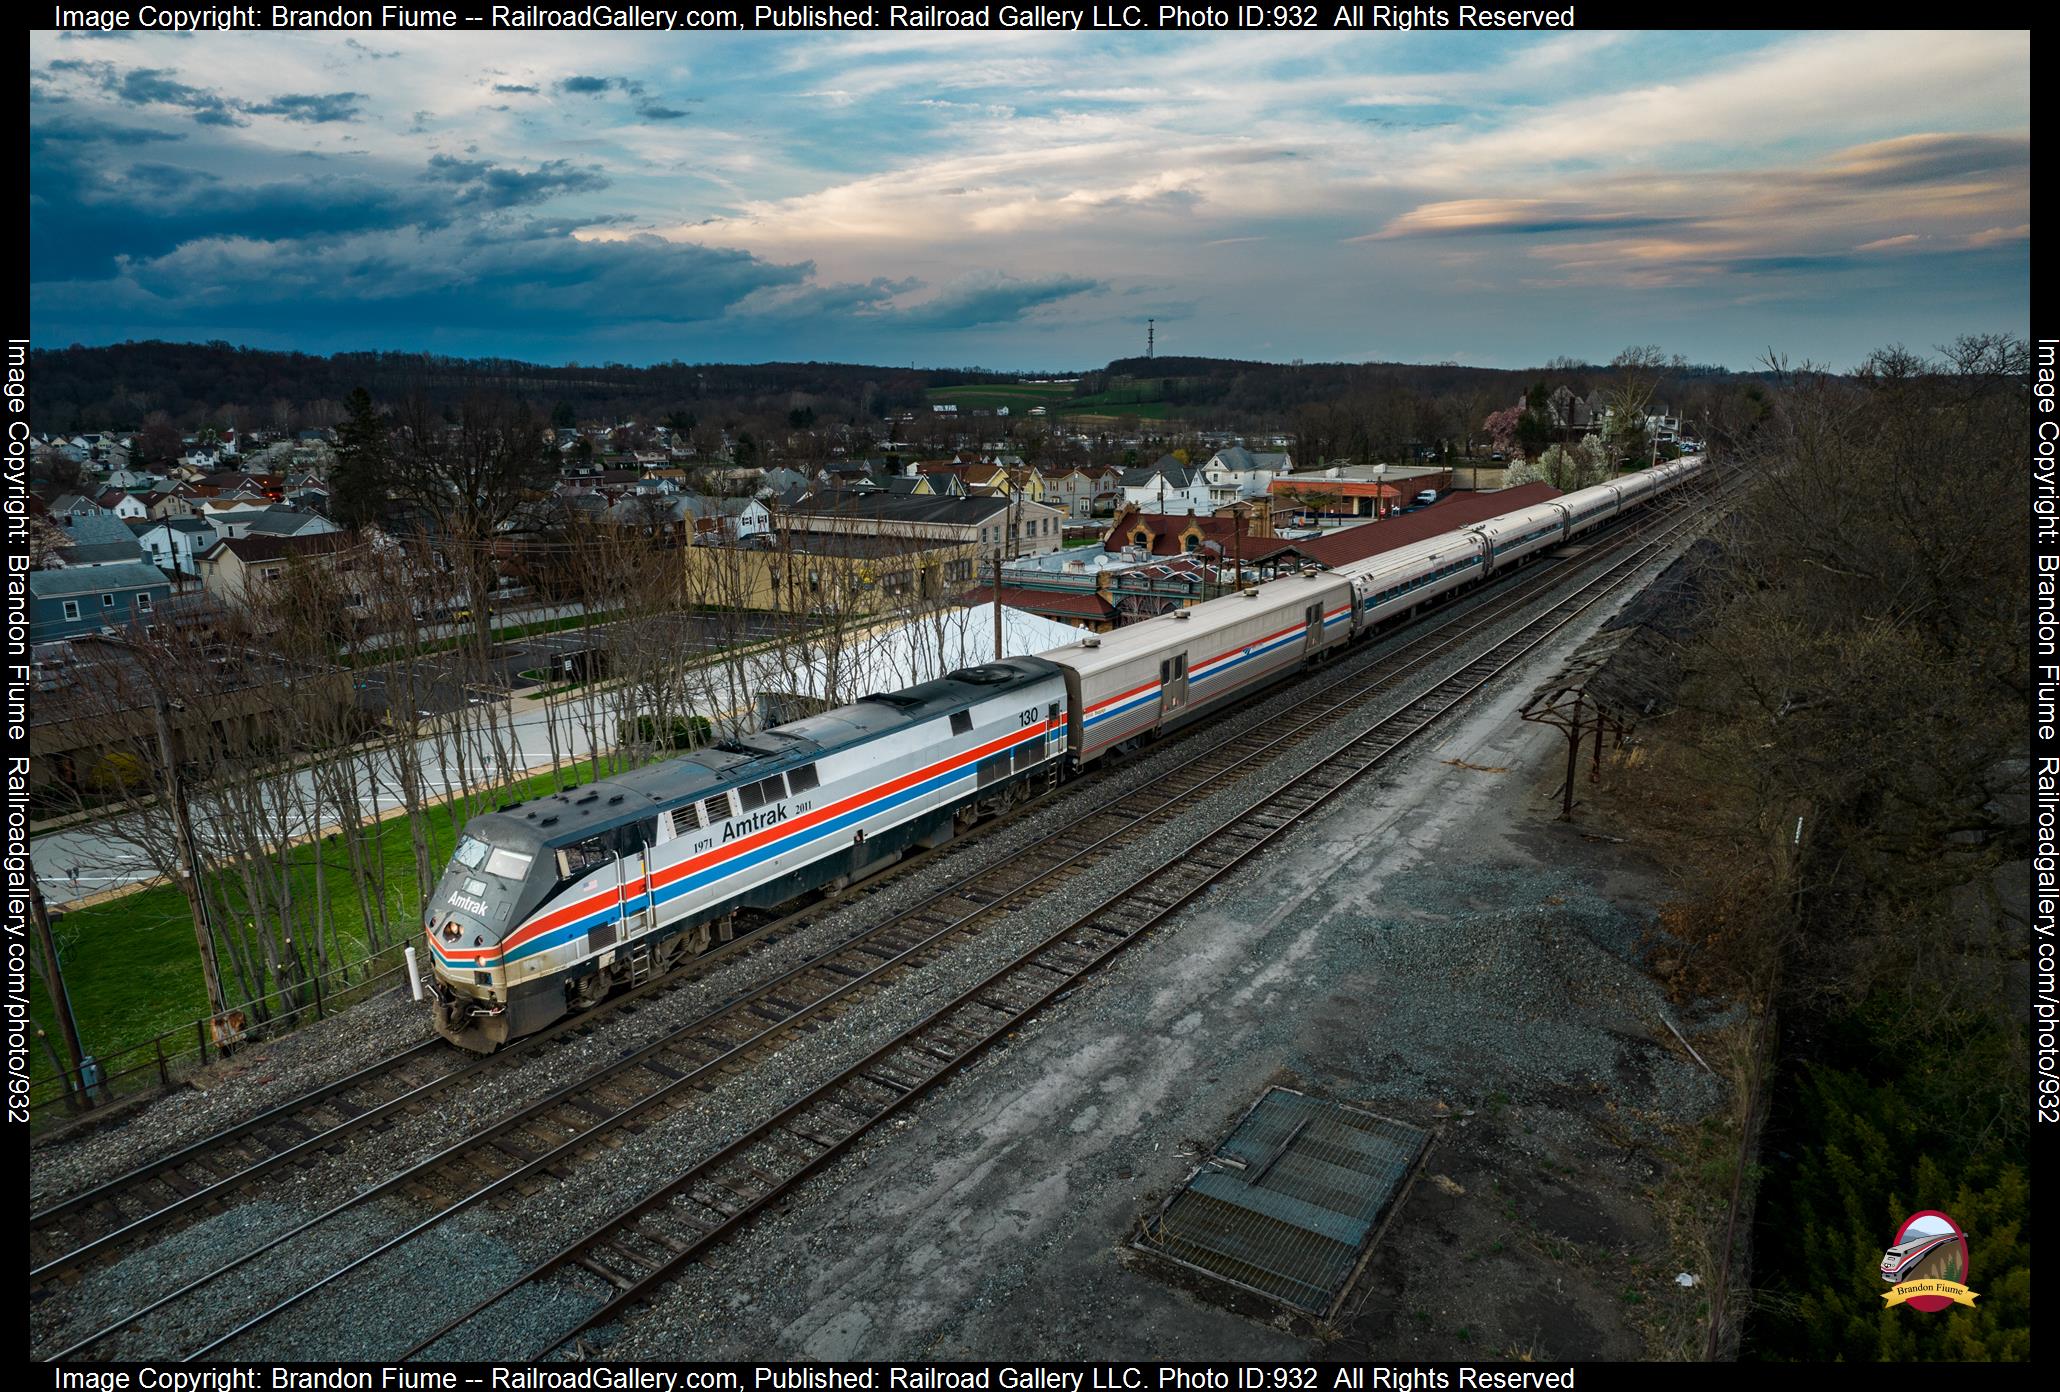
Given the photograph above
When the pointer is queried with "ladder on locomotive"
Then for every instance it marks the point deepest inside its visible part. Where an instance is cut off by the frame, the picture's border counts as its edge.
(642, 961)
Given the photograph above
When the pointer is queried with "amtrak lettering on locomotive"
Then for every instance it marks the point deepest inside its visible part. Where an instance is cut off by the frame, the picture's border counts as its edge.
(549, 905)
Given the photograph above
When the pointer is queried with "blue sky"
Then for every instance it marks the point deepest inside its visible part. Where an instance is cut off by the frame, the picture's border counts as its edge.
(1029, 200)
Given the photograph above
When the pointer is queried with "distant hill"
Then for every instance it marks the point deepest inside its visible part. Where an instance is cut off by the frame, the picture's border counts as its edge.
(100, 388)
(116, 386)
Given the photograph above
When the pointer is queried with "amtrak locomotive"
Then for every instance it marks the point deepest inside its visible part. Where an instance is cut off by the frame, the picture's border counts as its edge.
(549, 905)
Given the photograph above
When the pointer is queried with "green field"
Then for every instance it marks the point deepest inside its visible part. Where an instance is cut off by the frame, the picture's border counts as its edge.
(1017, 396)
(133, 970)
(1129, 398)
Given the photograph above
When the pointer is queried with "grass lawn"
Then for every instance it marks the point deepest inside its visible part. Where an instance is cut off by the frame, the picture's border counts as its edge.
(1017, 396)
(133, 969)
(440, 645)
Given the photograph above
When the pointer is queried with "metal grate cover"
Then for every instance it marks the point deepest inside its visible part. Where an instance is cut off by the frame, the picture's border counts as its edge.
(1289, 1206)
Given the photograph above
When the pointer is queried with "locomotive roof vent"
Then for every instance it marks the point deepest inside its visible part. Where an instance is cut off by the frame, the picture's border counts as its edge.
(986, 674)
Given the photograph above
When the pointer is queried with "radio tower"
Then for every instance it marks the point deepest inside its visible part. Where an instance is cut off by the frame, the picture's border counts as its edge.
(1151, 331)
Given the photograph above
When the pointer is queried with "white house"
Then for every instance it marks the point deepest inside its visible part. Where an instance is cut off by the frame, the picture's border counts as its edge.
(1236, 472)
(172, 542)
(1167, 486)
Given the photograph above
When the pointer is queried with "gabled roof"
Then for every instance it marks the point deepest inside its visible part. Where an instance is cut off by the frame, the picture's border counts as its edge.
(252, 549)
(99, 529)
(125, 575)
(281, 522)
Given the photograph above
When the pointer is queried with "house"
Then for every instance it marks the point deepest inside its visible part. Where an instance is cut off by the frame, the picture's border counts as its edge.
(1166, 487)
(1237, 472)
(235, 570)
(127, 506)
(663, 517)
(170, 498)
(231, 516)
(732, 519)
(78, 600)
(66, 506)
(172, 542)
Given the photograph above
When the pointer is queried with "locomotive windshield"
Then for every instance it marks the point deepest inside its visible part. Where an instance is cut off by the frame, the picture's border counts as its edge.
(475, 854)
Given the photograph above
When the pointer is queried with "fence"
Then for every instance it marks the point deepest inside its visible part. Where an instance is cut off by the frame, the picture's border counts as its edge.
(159, 1062)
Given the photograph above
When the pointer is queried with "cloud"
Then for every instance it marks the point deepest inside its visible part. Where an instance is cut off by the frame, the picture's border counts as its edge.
(1000, 300)
(654, 112)
(588, 86)
(1510, 216)
(480, 184)
(311, 108)
(414, 280)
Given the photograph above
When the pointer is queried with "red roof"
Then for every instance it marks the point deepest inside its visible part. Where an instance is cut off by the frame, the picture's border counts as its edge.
(1449, 514)
(1078, 604)
(1168, 530)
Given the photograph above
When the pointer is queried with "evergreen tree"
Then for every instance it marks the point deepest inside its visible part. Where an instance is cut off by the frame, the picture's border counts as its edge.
(359, 480)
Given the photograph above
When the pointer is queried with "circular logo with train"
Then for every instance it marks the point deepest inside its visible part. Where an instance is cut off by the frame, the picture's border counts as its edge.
(1926, 1265)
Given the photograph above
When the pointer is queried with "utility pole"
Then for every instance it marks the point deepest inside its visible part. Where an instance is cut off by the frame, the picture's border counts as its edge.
(189, 863)
(998, 654)
(60, 998)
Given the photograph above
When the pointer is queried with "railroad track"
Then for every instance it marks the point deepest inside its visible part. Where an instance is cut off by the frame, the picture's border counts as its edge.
(634, 1253)
(532, 1146)
(641, 1086)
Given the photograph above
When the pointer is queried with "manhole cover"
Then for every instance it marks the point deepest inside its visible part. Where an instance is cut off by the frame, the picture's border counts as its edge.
(1290, 1204)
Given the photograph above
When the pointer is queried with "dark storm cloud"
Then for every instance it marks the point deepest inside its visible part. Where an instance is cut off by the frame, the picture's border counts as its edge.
(89, 209)
(407, 282)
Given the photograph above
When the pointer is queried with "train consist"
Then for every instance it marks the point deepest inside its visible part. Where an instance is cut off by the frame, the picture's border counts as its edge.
(549, 905)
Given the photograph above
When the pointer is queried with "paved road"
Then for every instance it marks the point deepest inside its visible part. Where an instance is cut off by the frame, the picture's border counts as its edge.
(442, 682)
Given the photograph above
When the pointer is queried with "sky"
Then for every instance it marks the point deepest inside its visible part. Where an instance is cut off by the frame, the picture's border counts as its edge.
(1027, 201)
